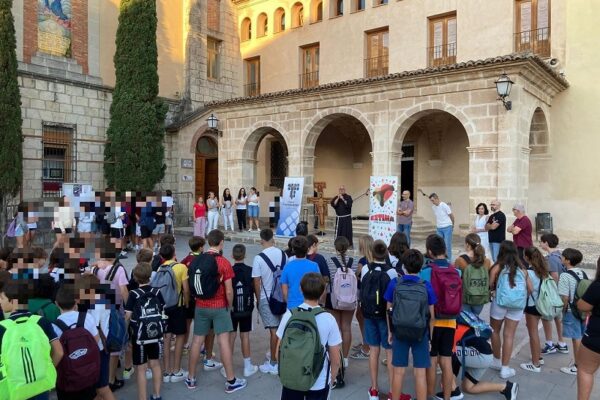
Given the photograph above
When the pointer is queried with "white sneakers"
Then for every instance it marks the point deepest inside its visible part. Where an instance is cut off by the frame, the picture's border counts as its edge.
(507, 372)
(250, 370)
(267, 368)
(211, 365)
(531, 367)
(571, 370)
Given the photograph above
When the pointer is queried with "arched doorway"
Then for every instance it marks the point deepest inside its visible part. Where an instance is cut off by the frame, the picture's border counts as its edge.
(539, 160)
(207, 166)
(343, 156)
(435, 159)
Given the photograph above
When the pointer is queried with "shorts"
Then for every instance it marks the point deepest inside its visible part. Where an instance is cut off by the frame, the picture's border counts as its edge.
(158, 229)
(572, 327)
(531, 310)
(190, 310)
(499, 313)
(244, 324)
(141, 353)
(442, 341)
(591, 342)
(145, 232)
(253, 211)
(117, 233)
(176, 323)
(128, 230)
(269, 320)
(85, 227)
(219, 319)
(104, 366)
(419, 350)
(476, 363)
(105, 228)
(376, 333)
(289, 394)
(67, 230)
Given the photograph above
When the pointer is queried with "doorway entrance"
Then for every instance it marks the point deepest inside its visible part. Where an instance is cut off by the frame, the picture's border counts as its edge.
(407, 169)
(207, 167)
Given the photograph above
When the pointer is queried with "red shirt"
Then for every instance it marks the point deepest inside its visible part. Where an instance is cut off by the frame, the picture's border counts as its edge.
(523, 238)
(199, 210)
(225, 274)
(189, 258)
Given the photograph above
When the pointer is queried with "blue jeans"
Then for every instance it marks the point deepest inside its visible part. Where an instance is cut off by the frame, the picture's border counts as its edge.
(405, 228)
(446, 234)
(495, 249)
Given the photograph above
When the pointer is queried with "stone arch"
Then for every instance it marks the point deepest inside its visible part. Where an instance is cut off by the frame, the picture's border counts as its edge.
(253, 136)
(202, 130)
(539, 137)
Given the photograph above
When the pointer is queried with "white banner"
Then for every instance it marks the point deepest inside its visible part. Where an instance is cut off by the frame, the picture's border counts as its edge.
(290, 206)
(383, 205)
(78, 193)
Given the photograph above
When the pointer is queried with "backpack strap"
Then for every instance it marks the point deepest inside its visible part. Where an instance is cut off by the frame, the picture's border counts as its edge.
(283, 258)
(268, 261)
(81, 320)
(113, 271)
(466, 258)
(336, 262)
(61, 324)
(574, 275)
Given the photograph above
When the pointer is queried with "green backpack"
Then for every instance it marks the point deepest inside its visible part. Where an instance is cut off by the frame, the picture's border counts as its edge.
(476, 285)
(548, 304)
(301, 354)
(580, 289)
(26, 368)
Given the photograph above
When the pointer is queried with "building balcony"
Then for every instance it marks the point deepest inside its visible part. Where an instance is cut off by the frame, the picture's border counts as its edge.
(536, 41)
(252, 89)
(444, 54)
(376, 66)
(309, 80)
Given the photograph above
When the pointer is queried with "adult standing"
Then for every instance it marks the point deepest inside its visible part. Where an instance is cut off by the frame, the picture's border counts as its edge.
(342, 204)
(253, 208)
(240, 209)
(521, 230)
(444, 221)
(405, 215)
(200, 217)
(212, 203)
(479, 226)
(64, 221)
(496, 227)
(227, 209)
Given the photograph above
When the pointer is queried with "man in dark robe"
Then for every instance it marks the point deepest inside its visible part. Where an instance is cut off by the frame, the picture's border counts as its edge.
(342, 204)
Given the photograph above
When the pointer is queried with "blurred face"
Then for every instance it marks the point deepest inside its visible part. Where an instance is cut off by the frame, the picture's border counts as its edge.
(244, 192)
(227, 192)
(211, 195)
(200, 200)
(435, 201)
(405, 195)
(7, 306)
(342, 190)
(480, 210)
(516, 213)
(494, 206)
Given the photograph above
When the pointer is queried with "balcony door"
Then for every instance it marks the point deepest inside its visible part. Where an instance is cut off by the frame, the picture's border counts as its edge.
(310, 67)
(252, 77)
(533, 27)
(442, 40)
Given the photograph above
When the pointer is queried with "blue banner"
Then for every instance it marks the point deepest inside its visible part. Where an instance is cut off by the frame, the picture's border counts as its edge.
(290, 206)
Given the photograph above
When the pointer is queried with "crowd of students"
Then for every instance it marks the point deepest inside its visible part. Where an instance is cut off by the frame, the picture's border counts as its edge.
(73, 327)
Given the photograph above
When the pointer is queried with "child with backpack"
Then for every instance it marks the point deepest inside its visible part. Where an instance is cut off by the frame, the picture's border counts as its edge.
(365, 248)
(446, 282)
(144, 311)
(43, 295)
(243, 305)
(309, 340)
(475, 269)
(79, 369)
(196, 244)
(30, 377)
(374, 280)
(571, 287)
(410, 303)
(295, 270)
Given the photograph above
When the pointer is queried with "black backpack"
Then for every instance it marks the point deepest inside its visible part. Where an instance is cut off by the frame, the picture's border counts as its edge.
(146, 319)
(203, 276)
(243, 293)
(372, 289)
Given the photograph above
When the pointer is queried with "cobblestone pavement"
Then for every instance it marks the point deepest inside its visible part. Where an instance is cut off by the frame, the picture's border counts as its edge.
(549, 384)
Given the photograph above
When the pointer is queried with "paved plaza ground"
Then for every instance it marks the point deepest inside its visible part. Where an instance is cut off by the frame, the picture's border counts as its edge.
(549, 384)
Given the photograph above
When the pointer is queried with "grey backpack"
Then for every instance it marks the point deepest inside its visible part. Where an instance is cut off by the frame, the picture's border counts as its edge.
(164, 280)
(410, 313)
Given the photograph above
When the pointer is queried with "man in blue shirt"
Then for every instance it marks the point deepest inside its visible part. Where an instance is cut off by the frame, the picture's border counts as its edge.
(294, 271)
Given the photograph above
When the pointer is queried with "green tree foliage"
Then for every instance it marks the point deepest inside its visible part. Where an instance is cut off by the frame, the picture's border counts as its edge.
(134, 154)
(11, 139)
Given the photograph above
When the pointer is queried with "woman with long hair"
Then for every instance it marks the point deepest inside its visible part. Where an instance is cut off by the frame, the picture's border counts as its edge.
(240, 209)
(200, 217)
(481, 218)
(398, 245)
(212, 204)
(469, 263)
(365, 248)
(588, 355)
(537, 273)
(227, 209)
(506, 277)
(253, 208)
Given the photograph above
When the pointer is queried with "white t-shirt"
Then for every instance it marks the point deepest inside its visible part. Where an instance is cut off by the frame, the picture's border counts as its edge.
(101, 314)
(567, 284)
(392, 273)
(241, 203)
(118, 224)
(261, 270)
(253, 200)
(70, 318)
(330, 336)
(442, 215)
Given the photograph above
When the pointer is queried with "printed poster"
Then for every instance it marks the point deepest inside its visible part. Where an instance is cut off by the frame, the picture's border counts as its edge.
(383, 205)
(290, 206)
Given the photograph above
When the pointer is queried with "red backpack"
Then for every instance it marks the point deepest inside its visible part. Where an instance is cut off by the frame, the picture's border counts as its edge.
(80, 366)
(447, 285)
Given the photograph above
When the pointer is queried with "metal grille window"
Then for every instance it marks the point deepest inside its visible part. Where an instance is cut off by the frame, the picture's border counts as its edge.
(58, 158)
(278, 164)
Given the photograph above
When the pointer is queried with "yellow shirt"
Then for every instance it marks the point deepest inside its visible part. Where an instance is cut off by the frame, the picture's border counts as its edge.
(181, 274)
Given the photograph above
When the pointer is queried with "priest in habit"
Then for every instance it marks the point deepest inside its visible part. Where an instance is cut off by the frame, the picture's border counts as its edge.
(342, 204)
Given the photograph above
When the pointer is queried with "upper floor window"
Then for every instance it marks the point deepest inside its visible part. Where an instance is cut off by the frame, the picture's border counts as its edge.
(317, 10)
(378, 46)
(358, 5)
(337, 8)
(262, 25)
(533, 27)
(252, 86)
(279, 20)
(213, 58)
(213, 15)
(442, 40)
(246, 29)
(309, 76)
(297, 15)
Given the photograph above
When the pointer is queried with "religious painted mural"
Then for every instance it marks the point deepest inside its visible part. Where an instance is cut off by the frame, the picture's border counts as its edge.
(54, 27)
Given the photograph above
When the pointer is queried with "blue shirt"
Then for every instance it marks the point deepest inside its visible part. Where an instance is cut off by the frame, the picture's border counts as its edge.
(321, 262)
(292, 275)
(425, 273)
(389, 292)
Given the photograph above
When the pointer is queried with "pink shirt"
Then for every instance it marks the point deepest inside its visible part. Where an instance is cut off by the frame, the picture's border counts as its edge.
(119, 280)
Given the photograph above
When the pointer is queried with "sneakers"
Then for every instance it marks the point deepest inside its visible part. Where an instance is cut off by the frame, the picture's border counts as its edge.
(178, 376)
(211, 365)
(116, 385)
(549, 349)
(456, 394)
(155, 398)
(345, 362)
(267, 368)
(357, 346)
(166, 378)
(360, 355)
(571, 369)
(235, 386)
(250, 370)
(562, 349)
(541, 360)
(127, 373)
(373, 394)
(507, 372)
(190, 383)
(403, 396)
(511, 390)
(148, 373)
(531, 367)
(496, 364)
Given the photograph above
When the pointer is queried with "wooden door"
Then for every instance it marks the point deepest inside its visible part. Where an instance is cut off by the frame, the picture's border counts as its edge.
(211, 174)
(200, 176)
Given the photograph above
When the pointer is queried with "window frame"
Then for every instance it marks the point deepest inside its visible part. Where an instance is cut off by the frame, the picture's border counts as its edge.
(447, 49)
(537, 39)
(58, 137)
(246, 30)
(217, 58)
(279, 20)
(309, 77)
(252, 86)
(382, 56)
(297, 15)
(262, 25)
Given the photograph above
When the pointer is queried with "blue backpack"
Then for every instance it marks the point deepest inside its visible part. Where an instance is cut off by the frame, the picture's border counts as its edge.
(480, 327)
(116, 338)
(514, 298)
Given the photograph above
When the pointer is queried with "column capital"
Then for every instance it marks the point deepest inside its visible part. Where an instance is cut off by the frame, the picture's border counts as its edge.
(482, 149)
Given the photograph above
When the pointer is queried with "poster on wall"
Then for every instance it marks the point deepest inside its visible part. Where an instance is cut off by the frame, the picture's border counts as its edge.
(383, 204)
(78, 193)
(290, 206)
(54, 27)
